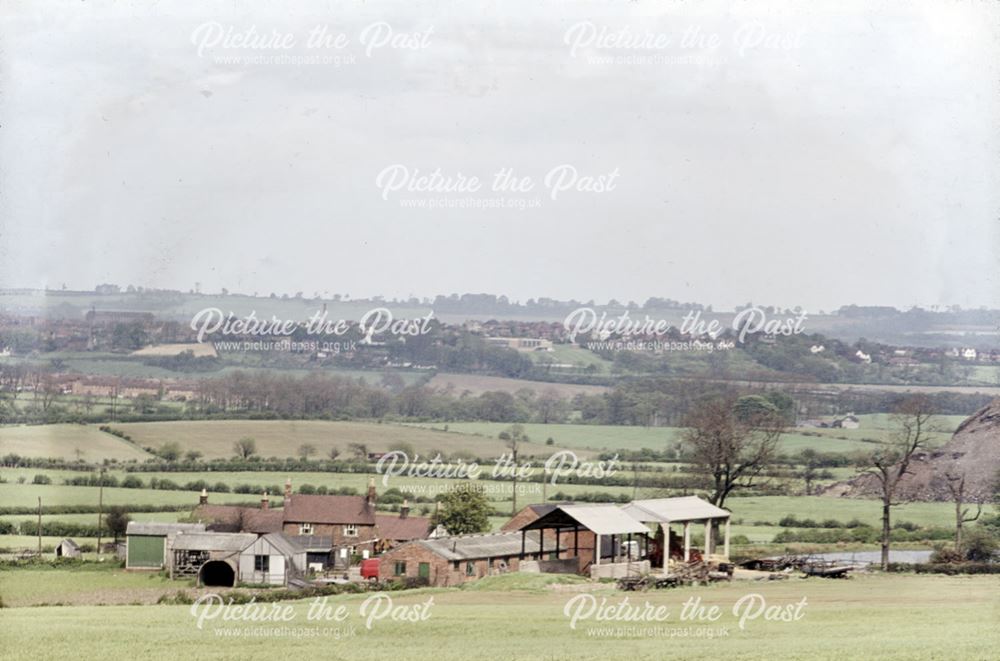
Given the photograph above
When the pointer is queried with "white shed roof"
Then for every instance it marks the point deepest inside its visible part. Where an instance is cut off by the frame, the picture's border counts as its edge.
(213, 541)
(604, 519)
(662, 510)
(157, 529)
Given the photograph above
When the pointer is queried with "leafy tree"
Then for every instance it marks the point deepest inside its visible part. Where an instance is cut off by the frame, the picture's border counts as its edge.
(732, 441)
(117, 521)
(307, 450)
(464, 509)
(245, 448)
(170, 451)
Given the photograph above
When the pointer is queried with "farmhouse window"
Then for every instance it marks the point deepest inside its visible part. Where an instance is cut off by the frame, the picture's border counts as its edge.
(470, 568)
(350, 530)
(306, 529)
(262, 563)
(400, 568)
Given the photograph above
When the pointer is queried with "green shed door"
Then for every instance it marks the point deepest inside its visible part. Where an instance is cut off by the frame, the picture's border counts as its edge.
(424, 570)
(145, 551)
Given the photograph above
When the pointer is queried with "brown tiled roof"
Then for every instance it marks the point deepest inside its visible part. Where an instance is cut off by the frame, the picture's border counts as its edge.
(393, 528)
(231, 518)
(328, 509)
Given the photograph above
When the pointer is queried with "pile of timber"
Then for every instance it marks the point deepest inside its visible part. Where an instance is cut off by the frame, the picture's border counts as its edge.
(692, 573)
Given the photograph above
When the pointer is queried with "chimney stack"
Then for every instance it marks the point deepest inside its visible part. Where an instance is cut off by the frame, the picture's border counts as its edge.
(288, 488)
(371, 492)
(203, 498)
(404, 509)
(265, 503)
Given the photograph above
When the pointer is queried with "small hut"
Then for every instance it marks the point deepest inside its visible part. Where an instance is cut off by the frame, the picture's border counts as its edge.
(68, 549)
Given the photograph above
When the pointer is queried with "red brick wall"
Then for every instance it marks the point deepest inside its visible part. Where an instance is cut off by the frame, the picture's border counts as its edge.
(442, 572)
(363, 542)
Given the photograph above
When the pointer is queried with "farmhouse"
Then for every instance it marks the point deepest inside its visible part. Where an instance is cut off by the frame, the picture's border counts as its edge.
(348, 520)
(445, 561)
(146, 543)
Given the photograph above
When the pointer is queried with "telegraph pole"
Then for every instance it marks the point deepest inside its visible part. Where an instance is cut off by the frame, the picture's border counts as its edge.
(100, 511)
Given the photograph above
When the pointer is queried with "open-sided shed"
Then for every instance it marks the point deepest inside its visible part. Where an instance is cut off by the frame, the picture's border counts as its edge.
(684, 511)
(609, 525)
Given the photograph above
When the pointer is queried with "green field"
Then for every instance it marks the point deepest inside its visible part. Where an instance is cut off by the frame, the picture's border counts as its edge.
(282, 438)
(904, 617)
(27, 495)
(613, 437)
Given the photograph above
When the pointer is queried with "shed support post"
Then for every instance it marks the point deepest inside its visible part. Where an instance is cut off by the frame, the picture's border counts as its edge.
(666, 545)
(576, 541)
(687, 541)
(708, 537)
(726, 546)
(597, 549)
(541, 544)
(524, 534)
(558, 532)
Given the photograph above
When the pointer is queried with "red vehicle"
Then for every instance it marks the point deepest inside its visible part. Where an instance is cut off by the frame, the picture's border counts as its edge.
(369, 569)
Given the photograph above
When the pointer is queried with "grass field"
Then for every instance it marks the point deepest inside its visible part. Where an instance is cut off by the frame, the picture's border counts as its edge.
(27, 495)
(872, 617)
(615, 437)
(282, 438)
(85, 442)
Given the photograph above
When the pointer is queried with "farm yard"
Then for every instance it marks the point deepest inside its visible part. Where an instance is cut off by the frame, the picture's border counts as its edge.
(756, 516)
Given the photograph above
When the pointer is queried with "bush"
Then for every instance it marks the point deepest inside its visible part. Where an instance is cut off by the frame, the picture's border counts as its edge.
(945, 554)
(979, 545)
(41, 479)
(132, 482)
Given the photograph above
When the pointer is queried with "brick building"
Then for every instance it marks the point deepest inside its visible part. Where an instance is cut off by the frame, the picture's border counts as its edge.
(445, 561)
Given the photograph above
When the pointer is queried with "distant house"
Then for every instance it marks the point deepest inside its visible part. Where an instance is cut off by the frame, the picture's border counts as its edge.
(68, 549)
(850, 421)
(146, 543)
(521, 343)
(863, 357)
(817, 348)
(969, 354)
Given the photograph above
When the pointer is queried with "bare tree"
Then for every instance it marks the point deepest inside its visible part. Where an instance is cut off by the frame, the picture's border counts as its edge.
(732, 442)
(889, 464)
(960, 496)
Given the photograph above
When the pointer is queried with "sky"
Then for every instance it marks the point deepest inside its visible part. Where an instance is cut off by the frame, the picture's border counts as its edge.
(813, 154)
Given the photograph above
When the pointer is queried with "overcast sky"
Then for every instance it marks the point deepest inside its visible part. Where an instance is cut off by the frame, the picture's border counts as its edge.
(818, 154)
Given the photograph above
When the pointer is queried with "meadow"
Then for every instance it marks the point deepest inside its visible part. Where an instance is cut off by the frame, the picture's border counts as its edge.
(909, 617)
(283, 438)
